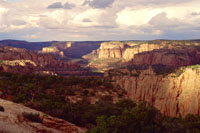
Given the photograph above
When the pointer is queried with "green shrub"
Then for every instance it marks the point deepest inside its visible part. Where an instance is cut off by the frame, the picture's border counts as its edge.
(194, 66)
(2, 109)
(163, 70)
(140, 119)
(192, 123)
(32, 117)
(20, 97)
(85, 92)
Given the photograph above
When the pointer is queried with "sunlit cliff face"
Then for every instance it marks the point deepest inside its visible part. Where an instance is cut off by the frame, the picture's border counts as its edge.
(99, 19)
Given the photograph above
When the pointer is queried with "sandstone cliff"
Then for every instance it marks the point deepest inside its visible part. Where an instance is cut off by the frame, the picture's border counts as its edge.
(53, 50)
(127, 50)
(50, 50)
(12, 121)
(173, 53)
(129, 53)
(173, 93)
(24, 61)
(111, 50)
(171, 57)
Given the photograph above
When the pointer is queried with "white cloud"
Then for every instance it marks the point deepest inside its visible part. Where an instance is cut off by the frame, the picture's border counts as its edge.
(93, 14)
(122, 19)
(137, 17)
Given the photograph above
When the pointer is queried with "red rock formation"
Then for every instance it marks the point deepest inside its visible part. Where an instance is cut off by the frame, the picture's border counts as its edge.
(170, 57)
(172, 53)
(111, 50)
(174, 94)
(42, 62)
(12, 121)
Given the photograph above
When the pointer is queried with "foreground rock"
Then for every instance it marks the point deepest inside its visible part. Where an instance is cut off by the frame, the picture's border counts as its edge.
(12, 121)
(174, 93)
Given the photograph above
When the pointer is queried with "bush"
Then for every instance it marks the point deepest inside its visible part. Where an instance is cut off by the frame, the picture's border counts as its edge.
(20, 97)
(2, 108)
(32, 117)
(192, 122)
(139, 119)
(85, 92)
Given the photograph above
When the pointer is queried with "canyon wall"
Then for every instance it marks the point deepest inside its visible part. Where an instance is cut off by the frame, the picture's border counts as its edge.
(123, 50)
(10, 53)
(118, 54)
(111, 50)
(170, 57)
(128, 50)
(24, 61)
(174, 94)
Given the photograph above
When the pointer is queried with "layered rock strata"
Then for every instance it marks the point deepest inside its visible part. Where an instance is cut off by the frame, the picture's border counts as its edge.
(25, 61)
(173, 93)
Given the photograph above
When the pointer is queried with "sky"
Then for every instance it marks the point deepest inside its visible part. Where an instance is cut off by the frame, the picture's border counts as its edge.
(90, 20)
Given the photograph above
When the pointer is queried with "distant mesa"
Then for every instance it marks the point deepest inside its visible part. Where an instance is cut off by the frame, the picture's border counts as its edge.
(173, 53)
(19, 60)
(50, 50)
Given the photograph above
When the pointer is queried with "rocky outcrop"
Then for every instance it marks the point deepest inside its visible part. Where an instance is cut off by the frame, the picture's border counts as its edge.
(173, 93)
(123, 50)
(128, 50)
(129, 53)
(12, 121)
(53, 50)
(172, 53)
(50, 50)
(10, 54)
(15, 59)
(170, 57)
(111, 50)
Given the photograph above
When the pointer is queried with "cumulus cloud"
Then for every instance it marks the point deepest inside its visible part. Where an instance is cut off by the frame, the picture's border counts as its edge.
(162, 20)
(55, 5)
(18, 22)
(195, 13)
(99, 19)
(68, 6)
(58, 5)
(87, 20)
(98, 3)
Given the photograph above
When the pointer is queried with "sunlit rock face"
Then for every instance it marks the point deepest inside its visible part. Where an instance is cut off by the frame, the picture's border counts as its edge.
(9, 53)
(23, 61)
(12, 121)
(175, 93)
(111, 50)
(170, 57)
(117, 54)
(128, 50)
(175, 90)
(123, 50)
(50, 50)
